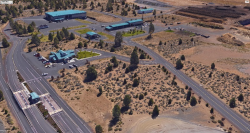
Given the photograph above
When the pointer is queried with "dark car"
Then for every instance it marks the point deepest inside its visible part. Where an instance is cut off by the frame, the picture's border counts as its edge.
(74, 65)
(43, 26)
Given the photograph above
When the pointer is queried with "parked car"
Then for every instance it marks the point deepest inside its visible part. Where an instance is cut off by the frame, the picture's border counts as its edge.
(74, 65)
(43, 26)
(35, 54)
(44, 74)
(178, 22)
(70, 66)
(103, 26)
(44, 62)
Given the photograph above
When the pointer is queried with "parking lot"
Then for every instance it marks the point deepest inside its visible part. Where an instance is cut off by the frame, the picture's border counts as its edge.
(52, 26)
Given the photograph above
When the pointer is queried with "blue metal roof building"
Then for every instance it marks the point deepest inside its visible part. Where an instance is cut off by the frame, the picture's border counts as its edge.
(135, 22)
(65, 14)
(34, 97)
(124, 25)
(92, 34)
(143, 11)
(61, 56)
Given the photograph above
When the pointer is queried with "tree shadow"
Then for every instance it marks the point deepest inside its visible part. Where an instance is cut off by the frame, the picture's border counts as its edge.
(113, 122)
(132, 67)
(154, 116)
(124, 109)
(99, 94)
(148, 37)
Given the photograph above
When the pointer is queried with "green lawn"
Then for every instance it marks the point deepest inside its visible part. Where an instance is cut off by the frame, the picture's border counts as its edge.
(46, 38)
(83, 21)
(70, 28)
(129, 33)
(169, 31)
(83, 31)
(86, 54)
(34, 33)
(109, 37)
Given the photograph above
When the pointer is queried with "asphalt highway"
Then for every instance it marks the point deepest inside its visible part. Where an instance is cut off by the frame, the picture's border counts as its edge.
(42, 87)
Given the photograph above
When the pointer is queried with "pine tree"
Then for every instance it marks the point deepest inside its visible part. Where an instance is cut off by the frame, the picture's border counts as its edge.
(127, 100)
(151, 29)
(150, 102)
(5, 43)
(51, 37)
(155, 111)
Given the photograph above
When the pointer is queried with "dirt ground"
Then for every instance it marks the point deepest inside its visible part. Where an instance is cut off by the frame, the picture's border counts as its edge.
(154, 83)
(102, 18)
(225, 59)
(8, 121)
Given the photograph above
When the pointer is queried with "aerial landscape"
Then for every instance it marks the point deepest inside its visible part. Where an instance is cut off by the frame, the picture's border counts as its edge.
(125, 66)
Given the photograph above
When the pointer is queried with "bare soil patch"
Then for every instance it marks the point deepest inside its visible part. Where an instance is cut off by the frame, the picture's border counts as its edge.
(170, 42)
(102, 18)
(229, 39)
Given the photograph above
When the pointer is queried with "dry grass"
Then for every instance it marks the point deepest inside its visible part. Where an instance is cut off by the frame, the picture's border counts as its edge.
(102, 18)
(154, 83)
(8, 121)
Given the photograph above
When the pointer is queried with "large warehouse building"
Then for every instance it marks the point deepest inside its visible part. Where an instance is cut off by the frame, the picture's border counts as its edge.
(124, 25)
(65, 14)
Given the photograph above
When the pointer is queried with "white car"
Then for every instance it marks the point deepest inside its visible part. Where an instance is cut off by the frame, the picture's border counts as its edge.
(44, 74)
(70, 66)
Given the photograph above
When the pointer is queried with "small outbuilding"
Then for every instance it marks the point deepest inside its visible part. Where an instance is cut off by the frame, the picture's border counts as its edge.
(144, 11)
(34, 98)
(92, 34)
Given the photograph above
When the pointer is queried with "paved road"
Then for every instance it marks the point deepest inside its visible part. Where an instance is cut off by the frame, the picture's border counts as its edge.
(42, 87)
(32, 114)
(15, 60)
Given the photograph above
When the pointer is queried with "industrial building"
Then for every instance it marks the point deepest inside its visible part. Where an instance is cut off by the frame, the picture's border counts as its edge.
(92, 34)
(144, 11)
(65, 14)
(34, 98)
(124, 25)
(61, 56)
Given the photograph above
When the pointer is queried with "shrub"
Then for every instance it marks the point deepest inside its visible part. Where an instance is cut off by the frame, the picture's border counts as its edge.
(141, 96)
(241, 97)
(211, 110)
(169, 101)
(182, 57)
(193, 101)
(98, 129)
(232, 103)
(91, 74)
(127, 70)
(135, 82)
(150, 102)
(212, 66)
(179, 65)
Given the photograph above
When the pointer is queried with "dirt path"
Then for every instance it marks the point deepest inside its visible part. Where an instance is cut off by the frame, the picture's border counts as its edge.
(165, 123)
